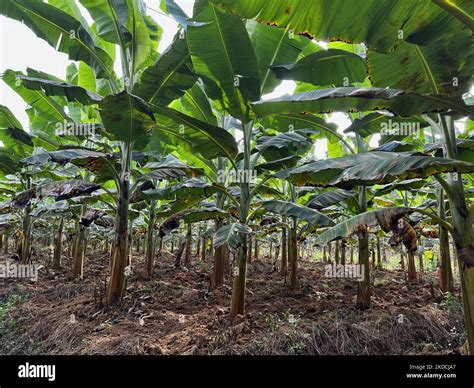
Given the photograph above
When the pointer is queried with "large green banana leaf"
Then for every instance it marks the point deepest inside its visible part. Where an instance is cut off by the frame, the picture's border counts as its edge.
(125, 22)
(425, 68)
(321, 171)
(127, 118)
(279, 164)
(283, 122)
(273, 46)
(169, 77)
(140, 47)
(195, 103)
(325, 67)
(175, 129)
(222, 52)
(8, 163)
(110, 17)
(375, 22)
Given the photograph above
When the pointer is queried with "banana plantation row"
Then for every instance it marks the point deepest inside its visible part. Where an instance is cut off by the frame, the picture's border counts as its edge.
(184, 140)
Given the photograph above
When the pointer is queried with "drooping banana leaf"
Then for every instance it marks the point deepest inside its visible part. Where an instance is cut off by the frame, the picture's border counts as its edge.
(47, 106)
(92, 160)
(55, 209)
(285, 144)
(279, 164)
(193, 215)
(321, 171)
(8, 163)
(90, 216)
(301, 212)
(403, 167)
(60, 190)
(170, 168)
(329, 198)
(370, 168)
(65, 189)
(54, 88)
(13, 137)
(173, 9)
(290, 122)
(403, 185)
(374, 123)
(192, 188)
(8, 119)
(404, 233)
(362, 99)
(387, 218)
(396, 146)
(110, 17)
(465, 149)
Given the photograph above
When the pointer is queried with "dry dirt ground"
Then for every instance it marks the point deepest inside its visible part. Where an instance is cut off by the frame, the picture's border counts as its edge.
(177, 312)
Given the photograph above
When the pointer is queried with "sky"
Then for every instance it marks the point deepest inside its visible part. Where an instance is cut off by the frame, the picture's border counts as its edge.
(20, 48)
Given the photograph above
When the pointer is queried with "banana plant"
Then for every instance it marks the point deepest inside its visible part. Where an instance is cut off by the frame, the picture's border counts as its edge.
(429, 88)
(129, 107)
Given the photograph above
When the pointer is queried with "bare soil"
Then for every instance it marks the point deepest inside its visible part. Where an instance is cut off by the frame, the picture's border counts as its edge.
(177, 312)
